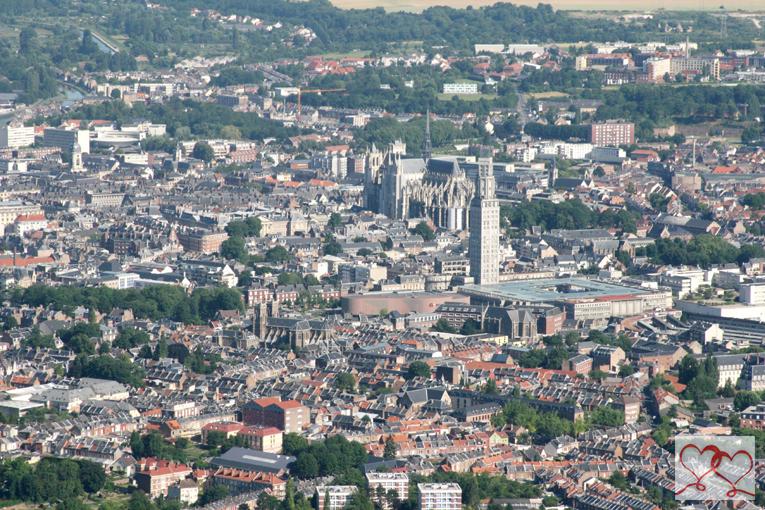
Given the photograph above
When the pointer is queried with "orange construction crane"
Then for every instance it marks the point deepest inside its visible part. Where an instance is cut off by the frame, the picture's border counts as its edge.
(311, 91)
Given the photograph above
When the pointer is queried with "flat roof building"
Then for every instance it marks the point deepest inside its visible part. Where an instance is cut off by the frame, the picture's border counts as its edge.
(16, 136)
(581, 298)
(439, 496)
(246, 459)
(334, 497)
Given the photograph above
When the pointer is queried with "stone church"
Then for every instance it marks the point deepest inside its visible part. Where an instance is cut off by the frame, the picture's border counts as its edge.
(402, 188)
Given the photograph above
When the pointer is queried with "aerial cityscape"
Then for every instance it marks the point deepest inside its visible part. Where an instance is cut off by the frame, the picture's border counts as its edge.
(295, 255)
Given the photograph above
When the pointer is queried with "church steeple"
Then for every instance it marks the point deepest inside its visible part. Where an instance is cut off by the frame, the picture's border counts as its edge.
(427, 145)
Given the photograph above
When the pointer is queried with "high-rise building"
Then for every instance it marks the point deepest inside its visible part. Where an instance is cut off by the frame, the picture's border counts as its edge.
(612, 134)
(14, 137)
(483, 246)
(439, 496)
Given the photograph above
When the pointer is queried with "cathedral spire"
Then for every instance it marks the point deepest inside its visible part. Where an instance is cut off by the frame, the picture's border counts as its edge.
(427, 145)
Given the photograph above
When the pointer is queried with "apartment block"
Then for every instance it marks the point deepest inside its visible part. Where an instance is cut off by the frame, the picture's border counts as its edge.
(264, 439)
(460, 88)
(288, 416)
(691, 65)
(439, 496)
(612, 134)
(202, 241)
(396, 482)
(753, 417)
(155, 476)
(334, 497)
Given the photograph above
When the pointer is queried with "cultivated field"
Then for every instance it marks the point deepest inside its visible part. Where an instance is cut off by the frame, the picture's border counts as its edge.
(419, 5)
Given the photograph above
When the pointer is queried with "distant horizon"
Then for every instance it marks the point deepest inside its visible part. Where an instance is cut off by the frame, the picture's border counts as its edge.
(569, 5)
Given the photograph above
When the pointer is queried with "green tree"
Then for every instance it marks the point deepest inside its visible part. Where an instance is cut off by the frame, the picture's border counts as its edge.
(203, 151)
(442, 326)
(744, 399)
(277, 255)
(131, 337)
(418, 369)
(619, 481)
(332, 247)
(306, 466)
(345, 382)
(213, 493)
(470, 327)
(27, 41)
(391, 449)
(233, 248)
(335, 221)
(607, 417)
(423, 230)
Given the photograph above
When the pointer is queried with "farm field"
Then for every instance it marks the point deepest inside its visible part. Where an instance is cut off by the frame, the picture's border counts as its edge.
(419, 5)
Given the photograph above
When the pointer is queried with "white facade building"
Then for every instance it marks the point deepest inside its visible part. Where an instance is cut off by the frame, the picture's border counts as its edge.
(439, 496)
(460, 88)
(14, 137)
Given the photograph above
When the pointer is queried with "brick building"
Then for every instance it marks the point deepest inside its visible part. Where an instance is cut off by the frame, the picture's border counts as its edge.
(288, 416)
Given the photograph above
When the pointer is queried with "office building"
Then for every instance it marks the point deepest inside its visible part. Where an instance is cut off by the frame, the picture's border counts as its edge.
(439, 496)
(483, 245)
(612, 134)
(14, 137)
(66, 139)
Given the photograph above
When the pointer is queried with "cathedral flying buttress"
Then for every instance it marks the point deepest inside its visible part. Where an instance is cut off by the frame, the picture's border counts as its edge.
(402, 188)
(443, 195)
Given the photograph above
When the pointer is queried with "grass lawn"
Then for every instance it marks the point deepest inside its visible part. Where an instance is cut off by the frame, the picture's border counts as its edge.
(591, 5)
(466, 97)
(547, 95)
(337, 55)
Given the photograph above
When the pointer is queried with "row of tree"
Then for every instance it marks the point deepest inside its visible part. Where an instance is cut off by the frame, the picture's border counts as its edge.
(703, 250)
(154, 302)
(570, 214)
(49, 480)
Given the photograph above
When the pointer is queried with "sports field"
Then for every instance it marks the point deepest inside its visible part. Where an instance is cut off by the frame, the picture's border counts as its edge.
(419, 5)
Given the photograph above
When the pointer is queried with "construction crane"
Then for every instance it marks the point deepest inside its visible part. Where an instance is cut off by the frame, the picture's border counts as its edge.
(311, 91)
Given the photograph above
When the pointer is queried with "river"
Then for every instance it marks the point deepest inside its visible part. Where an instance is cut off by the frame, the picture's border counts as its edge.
(68, 97)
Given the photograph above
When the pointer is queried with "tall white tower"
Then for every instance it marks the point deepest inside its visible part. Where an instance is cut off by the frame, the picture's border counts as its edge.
(483, 245)
(77, 165)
